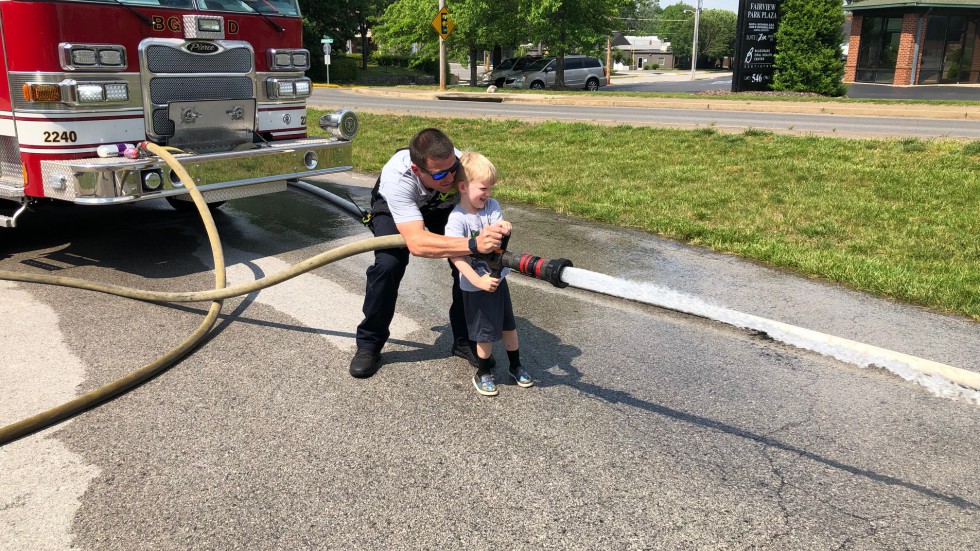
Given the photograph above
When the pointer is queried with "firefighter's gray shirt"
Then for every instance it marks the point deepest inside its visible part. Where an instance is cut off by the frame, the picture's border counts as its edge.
(404, 192)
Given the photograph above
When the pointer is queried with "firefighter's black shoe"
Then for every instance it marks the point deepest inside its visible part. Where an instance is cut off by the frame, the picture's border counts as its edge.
(365, 363)
(463, 349)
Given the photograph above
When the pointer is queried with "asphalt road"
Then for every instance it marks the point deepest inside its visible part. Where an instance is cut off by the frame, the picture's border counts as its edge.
(788, 123)
(856, 90)
(647, 429)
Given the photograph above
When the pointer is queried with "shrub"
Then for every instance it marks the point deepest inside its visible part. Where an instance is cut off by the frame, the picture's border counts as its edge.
(808, 55)
(391, 60)
(343, 69)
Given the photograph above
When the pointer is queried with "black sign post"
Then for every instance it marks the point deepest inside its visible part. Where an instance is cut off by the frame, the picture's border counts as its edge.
(755, 45)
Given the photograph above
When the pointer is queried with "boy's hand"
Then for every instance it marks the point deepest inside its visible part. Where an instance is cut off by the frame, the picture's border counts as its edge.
(489, 239)
(505, 226)
(488, 283)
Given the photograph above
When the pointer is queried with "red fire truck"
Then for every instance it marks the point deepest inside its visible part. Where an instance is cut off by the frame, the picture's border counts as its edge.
(221, 80)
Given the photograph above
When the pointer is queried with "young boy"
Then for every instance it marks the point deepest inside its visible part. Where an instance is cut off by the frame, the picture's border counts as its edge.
(486, 299)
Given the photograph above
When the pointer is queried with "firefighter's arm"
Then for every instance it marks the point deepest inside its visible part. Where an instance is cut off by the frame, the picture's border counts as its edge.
(431, 245)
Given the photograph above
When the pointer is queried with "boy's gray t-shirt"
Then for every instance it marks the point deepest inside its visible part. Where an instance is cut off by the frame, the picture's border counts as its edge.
(464, 224)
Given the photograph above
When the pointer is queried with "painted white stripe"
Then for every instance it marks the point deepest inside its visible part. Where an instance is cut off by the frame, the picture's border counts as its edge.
(59, 151)
(79, 114)
(7, 127)
(87, 133)
(281, 120)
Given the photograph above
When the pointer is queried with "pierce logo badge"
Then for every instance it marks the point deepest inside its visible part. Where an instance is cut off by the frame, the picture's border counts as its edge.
(202, 48)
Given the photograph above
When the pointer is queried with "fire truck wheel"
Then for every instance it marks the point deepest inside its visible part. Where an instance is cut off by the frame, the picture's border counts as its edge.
(188, 206)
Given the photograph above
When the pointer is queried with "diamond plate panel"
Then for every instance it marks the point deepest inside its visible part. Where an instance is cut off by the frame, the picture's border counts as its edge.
(238, 192)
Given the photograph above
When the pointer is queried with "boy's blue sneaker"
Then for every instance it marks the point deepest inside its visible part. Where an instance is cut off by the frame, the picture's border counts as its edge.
(484, 384)
(521, 377)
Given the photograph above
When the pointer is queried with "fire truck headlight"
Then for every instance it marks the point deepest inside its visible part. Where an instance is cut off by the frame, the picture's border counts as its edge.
(210, 25)
(111, 58)
(285, 88)
(301, 60)
(90, 93)
(118, 91)
(84, 56)
(92, 57)
(302, 88)
(288, 60)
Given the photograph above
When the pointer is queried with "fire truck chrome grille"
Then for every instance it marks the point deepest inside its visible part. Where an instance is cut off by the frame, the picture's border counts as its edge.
(166, 59)
(164, 90)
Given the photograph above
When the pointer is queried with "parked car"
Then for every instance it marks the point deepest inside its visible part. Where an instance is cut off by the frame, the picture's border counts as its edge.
(506, 68)
(580, 72)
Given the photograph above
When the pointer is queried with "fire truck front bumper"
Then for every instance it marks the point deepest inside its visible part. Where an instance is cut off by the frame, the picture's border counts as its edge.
(220, 176)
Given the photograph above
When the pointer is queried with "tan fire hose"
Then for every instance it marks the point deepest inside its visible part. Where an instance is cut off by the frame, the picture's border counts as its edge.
(87, 401)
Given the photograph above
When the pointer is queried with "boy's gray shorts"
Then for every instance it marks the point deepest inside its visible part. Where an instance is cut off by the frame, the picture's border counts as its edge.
(488, 315)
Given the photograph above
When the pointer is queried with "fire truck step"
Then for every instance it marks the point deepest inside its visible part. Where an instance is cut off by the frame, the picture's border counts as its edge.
(11, 221)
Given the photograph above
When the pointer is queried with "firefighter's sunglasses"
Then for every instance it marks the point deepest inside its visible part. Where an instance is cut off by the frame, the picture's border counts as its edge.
(442, 173)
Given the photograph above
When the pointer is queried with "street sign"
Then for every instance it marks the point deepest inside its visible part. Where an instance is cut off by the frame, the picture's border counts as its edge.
(443, 24)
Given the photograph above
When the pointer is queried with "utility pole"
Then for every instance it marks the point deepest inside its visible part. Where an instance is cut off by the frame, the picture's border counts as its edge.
(609, 60)
(442, 55)
(694, 50)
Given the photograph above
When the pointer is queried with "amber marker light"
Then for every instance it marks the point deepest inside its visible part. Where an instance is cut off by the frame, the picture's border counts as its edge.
(42, 92)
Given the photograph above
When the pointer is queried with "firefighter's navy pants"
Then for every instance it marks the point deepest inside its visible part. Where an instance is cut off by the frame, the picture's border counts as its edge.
(384, 277)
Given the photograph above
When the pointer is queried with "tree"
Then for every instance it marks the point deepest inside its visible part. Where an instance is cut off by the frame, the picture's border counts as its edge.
(569, 26)
(341, 20)
(647, 17)
(808, 53)
(716, 36)
(677, 27)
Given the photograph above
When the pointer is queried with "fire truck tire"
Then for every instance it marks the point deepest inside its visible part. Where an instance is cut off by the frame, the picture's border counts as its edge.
(189, 206)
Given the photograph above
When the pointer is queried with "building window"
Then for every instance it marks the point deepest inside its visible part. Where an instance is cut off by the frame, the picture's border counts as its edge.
(878, 53)
(948, 49)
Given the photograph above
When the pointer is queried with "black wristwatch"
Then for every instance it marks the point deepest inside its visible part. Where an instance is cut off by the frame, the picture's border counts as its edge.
(472, 246)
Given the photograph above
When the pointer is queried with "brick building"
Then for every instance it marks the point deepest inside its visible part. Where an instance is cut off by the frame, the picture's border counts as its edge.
(914, 42)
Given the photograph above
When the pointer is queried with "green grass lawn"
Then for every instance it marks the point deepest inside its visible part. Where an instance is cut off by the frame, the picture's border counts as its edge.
(899, 218)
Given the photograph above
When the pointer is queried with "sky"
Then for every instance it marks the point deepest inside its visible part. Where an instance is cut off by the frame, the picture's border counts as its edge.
(730, 5)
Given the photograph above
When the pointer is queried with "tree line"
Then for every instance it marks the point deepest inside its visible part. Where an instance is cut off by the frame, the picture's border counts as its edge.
(563, 27)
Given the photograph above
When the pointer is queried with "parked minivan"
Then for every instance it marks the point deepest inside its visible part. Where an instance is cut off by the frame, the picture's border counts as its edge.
(506, 68)
(580, 72)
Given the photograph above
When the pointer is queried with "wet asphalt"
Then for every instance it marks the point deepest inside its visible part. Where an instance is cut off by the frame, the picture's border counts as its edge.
(647, 429)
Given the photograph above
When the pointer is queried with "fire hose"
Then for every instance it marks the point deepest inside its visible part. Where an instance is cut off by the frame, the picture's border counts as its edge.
(548, 270)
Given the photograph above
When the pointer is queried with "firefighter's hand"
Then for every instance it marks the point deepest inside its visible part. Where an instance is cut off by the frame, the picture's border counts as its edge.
(489, 239)
(488, 283)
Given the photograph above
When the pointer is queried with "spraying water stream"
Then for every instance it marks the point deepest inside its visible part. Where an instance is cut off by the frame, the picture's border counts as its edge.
(941, 379)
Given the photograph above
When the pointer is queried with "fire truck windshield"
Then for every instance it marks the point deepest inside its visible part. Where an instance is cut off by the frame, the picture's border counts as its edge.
(268, 7)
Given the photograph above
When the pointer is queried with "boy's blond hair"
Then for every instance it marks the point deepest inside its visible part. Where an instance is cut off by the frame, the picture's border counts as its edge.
(474, 167)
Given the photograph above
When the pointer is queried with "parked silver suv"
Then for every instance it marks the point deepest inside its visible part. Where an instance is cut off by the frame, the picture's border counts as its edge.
(508, 67)
(580, 72)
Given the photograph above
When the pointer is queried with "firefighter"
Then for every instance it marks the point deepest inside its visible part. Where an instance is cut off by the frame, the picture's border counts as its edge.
(413, 197)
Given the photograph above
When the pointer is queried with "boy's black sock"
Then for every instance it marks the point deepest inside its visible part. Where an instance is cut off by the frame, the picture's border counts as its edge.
(484, 366)
(514, 356)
